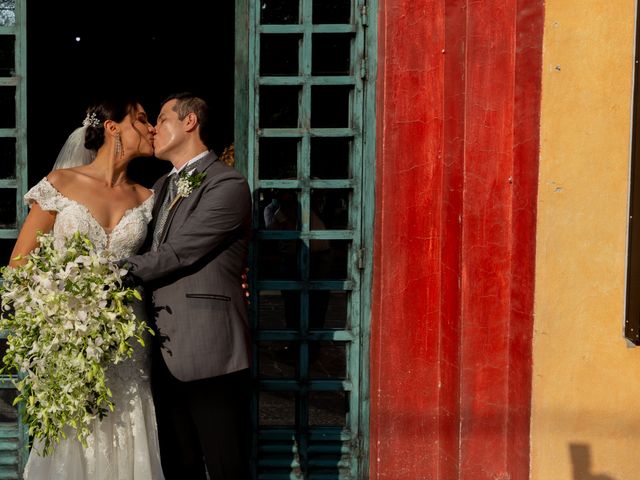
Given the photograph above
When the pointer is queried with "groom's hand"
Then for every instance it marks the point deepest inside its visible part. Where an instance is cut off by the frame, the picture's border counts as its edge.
(245, 286)
(129, 280)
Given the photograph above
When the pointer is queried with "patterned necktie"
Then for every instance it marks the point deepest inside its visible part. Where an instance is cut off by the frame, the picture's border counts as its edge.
(163, 213)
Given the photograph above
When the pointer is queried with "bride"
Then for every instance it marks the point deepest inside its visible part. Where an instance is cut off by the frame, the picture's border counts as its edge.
(89, 191)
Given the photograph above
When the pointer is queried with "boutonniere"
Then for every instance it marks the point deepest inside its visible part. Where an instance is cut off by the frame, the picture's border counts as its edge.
(187, 182)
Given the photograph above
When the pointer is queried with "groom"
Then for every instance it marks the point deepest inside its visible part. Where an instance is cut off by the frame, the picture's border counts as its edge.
(195, 256)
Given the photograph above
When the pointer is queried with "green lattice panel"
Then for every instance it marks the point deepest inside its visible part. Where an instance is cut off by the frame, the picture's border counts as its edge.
(305, 164)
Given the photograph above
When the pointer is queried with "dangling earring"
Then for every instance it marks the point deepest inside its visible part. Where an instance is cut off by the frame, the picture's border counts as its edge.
(118, 146)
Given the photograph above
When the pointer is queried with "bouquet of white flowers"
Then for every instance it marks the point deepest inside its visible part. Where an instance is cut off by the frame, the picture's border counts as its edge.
(69, 317)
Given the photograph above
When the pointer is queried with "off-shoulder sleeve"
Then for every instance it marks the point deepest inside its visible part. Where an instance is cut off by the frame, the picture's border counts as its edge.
(45, 195)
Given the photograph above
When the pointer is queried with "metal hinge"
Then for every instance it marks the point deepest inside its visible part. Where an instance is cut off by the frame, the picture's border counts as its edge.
(363, 68)
(361, 259)
(363, 15)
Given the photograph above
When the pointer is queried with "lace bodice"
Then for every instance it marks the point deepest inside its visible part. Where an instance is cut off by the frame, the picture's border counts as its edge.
(125, 238)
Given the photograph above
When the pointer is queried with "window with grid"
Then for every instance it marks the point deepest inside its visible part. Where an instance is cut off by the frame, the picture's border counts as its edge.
(304, 152)
(13, 184)
(632, 317)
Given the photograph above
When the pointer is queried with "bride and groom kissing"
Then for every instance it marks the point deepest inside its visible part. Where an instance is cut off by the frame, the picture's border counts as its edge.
(183, 402)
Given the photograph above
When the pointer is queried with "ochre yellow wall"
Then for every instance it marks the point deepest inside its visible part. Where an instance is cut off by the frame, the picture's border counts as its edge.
(586, 381)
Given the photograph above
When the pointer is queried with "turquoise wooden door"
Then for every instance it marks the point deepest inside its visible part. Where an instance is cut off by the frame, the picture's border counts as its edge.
(302, 68)
(13, 184)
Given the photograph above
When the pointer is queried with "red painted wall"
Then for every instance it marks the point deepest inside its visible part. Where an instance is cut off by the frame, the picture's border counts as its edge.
(458, 119)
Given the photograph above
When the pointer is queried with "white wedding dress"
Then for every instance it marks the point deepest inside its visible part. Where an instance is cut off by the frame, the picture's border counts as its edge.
(124, 444)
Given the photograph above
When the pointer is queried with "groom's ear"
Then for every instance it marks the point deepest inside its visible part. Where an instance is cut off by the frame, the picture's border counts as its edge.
(190, 122)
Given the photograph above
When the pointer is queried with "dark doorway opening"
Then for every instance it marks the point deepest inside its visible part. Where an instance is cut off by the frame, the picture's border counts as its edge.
(79, 51)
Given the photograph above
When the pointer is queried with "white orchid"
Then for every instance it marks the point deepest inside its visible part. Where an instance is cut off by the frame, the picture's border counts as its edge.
(70, 317)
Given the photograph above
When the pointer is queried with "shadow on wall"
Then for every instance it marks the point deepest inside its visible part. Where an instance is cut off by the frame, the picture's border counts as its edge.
(581, 460)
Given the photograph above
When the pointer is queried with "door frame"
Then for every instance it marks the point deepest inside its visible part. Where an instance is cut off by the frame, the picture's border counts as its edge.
(244, 123)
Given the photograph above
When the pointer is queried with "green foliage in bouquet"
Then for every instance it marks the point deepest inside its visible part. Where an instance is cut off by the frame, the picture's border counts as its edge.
(69, 317)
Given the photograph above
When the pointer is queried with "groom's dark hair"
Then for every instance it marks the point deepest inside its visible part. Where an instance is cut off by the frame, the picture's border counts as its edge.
(186, 103)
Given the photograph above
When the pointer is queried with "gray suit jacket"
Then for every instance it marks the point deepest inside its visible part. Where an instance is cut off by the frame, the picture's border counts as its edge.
(194, 278)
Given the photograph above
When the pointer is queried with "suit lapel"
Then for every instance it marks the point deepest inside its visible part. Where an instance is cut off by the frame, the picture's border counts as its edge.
(201, 165)
(170, 216)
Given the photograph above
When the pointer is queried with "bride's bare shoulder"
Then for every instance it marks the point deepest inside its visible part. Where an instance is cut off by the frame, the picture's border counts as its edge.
(62, 177)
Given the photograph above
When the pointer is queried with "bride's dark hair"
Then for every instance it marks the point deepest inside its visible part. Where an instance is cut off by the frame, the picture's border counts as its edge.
(110, 109)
